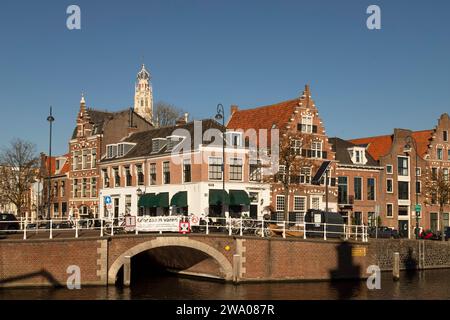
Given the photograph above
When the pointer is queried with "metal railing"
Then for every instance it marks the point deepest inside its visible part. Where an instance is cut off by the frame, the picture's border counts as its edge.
(213, 225)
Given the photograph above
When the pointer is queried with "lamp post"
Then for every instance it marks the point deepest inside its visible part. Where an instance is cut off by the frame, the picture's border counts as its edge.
(139, 194)
(407, 149)
(50, 119)
(220, 115)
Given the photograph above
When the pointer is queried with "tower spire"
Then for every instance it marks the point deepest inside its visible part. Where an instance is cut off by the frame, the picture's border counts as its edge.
(143, 96)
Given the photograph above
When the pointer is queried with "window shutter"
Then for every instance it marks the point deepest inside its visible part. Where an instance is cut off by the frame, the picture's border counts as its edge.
(314, 129)
(324, 154)
(299, 127)
(333, 182)
(304, 152)
(309, 153)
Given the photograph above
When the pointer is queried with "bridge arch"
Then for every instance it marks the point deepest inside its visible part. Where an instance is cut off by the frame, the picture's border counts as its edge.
(225, 266)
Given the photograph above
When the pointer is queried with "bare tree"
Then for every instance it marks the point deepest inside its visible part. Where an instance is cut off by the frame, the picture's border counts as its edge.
(295, 164)
(18, 169)
(437, 191)
(166, 114)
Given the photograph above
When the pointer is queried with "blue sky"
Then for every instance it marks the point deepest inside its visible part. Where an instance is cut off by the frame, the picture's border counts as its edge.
(205, 52)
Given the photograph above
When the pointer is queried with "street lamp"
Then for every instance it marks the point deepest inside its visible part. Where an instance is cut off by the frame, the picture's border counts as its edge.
(50, 119)
(221, 116)
(139, 194)
(407, 149)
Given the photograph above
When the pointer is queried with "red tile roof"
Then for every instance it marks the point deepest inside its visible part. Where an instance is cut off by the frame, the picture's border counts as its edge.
(63, 170)
(263, 117)
(381, 145)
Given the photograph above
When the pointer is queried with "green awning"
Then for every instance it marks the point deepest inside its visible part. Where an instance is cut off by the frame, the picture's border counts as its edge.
(163, 200)
(216, 197)
(179, 199)
(148, 200)
(239, 197)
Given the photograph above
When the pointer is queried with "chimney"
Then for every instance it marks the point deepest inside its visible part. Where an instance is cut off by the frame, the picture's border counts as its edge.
(233, 109)
(186, 115)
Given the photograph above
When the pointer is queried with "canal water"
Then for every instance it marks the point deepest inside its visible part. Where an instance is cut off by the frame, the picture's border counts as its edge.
(430, 284)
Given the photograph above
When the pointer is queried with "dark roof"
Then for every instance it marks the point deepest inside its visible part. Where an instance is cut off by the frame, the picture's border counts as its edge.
(340, 146)
(144, 139)
(100, 118)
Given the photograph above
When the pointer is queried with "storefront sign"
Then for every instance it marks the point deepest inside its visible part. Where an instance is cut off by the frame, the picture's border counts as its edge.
(156, 224)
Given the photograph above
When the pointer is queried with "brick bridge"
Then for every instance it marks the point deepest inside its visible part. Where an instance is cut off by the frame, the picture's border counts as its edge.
(107, 260)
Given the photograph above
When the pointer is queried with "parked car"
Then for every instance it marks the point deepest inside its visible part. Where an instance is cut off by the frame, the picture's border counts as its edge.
(430, 235)
(447, 233)
(383, 232)
(9, 222)
(63, 225)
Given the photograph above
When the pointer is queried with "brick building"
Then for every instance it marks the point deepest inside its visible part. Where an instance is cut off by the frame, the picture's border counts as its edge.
(403, 179)
(297, 115)
(359, 183)
(59, 189)
(178, 170)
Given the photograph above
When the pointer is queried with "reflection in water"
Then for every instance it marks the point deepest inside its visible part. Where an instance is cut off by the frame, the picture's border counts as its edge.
(422, 285)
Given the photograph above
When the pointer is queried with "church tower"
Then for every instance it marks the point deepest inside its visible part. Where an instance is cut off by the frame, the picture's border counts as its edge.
(143, 96)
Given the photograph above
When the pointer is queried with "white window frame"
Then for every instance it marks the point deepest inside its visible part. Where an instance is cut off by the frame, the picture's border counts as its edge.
(392, 169)
(221, 172)
(242, 169)
(392, 184)
(284, 203)
(392, 211)
(316, 153)
(307, 123)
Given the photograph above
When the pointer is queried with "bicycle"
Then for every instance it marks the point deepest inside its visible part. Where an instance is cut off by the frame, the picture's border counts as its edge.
(119, 226)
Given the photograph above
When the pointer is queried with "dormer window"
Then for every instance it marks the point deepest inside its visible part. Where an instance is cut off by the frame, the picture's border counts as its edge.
(172, 142)
(358, 155)
(234, 139)
(111, 151)
(123, 148)
(158, 144)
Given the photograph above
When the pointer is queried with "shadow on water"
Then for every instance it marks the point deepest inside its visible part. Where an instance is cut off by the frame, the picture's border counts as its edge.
(410, 265)
(345, 279)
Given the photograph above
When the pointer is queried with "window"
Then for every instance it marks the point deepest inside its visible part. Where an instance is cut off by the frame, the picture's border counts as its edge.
(116, 177)
(418, 172)
(358, 157)
(358, 188)
(234, 139)
(55, 189)
(371, 219)
(445, 135)
(440, 154)
(74, 161)
(128, 204)
(105, 178)
(296, 146)
(403, 166)
(166, 172)
(158, 144)
(389, 169)
(140, 175)
(445, 174)
(55, 209)
(93, 187)
(172, 142)
(111, 151)
(187, 170)
(307, 124)
(255, 171)
(434, 174)
(85, 159)
(152, 173)
(342, 190)
(299, 208)
(215, 168)
(281, 172)
(57, 165)
(280, 203)
(448, 155)
(62, 189)
(84, 187)
(418, 187)
(403, 190)
(63, 208)
(128, 178)
(389, 185)
(446, 219)
(120, 150)
(389, 210)
(315, 203)
(305, 175)
(434, 221)
(93, 158)
(370, 188)
(316, 150)
(357, 218)
(236, 169)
